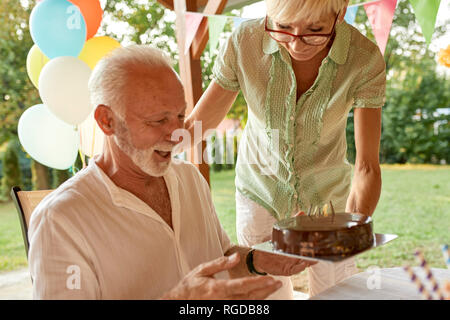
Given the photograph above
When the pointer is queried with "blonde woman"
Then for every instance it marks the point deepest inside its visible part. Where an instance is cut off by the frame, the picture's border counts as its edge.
(301, 69)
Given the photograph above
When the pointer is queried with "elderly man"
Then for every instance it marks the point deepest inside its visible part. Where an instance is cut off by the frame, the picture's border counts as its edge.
(136, 224)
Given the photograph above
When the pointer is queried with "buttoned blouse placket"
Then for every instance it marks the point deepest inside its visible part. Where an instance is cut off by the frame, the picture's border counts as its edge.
(289, 136)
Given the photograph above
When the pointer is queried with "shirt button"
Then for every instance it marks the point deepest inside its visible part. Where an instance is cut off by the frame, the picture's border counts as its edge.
(292, 118)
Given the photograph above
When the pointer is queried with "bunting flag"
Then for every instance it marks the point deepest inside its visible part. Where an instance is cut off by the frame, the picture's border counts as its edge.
(216, 25)
(350, 15)
(380, 14)
(237, 21)
(193, 21)
(426, 13)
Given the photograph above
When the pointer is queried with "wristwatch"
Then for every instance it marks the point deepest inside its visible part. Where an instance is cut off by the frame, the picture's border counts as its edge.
(250, 266)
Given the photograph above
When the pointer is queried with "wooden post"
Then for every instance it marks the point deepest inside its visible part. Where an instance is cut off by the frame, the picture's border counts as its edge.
(191, 76)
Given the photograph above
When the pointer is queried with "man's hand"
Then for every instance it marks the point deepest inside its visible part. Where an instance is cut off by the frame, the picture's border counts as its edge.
(279, 265)
(200, 283)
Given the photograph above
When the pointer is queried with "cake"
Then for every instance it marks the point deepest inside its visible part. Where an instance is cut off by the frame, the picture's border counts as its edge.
(340, 234)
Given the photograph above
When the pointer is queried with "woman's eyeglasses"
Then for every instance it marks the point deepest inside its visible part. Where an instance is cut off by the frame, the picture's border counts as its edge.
(313, 39)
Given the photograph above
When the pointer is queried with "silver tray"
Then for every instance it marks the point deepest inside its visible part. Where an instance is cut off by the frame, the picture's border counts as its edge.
(379, 240)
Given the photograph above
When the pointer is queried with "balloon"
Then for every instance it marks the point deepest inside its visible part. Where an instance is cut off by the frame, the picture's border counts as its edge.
(58, 28)
(36, 60)
(91, 137)
(63, 86)
(96, 48)
(92, 13)
(47, 139)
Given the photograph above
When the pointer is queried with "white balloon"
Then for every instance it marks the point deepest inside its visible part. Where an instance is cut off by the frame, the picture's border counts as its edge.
(63, 86)
(47, 139)
(91, 137)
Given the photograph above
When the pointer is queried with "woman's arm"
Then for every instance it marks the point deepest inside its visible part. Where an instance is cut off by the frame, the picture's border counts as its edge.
(366, 183)
(211, 109)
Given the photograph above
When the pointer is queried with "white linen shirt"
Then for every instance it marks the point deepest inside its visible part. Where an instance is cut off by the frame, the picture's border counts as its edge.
(90, 239)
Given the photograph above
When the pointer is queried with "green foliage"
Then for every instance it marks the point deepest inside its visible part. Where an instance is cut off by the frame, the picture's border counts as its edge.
(16, 91)
(414, 131)
(216, 154)
(235, 149)
(58, 177)
(227, 156)
(414, 93)
(12, 175)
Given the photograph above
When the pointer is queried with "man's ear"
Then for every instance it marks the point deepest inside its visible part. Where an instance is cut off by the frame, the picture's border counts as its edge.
(104, 117)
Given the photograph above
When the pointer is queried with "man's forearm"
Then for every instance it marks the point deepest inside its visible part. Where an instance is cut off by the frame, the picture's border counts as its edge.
(366, 189)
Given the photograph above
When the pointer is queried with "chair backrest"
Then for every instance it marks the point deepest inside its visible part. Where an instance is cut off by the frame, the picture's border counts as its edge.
(26, 202)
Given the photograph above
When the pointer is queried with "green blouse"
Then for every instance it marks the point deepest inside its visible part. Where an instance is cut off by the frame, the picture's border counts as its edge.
(293, 153)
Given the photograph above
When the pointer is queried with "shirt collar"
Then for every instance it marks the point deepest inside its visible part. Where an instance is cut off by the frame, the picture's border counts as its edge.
(125, 199)
(338, 52)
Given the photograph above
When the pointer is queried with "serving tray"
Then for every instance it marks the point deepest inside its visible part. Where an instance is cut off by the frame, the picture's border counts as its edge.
(379, 240)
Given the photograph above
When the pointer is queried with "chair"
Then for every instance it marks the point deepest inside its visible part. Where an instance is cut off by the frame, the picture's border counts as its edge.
(25, 202)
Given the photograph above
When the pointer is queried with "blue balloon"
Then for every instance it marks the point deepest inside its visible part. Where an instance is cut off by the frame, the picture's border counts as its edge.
(58, 28)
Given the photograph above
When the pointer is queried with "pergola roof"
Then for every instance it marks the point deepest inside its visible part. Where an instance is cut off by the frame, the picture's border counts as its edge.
(231, 4)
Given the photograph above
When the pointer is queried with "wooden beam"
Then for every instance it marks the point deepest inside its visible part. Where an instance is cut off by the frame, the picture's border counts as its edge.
(202, 36)
(191, 76)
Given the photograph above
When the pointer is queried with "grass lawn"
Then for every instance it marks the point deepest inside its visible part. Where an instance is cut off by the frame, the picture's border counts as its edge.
(12, 250)
(414, 204)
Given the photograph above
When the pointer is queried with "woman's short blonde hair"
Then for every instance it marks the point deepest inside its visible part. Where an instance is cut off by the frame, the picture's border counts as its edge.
(289, 11)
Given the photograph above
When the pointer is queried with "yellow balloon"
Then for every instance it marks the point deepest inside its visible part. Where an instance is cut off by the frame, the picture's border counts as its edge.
(36, 60)
(96, 48)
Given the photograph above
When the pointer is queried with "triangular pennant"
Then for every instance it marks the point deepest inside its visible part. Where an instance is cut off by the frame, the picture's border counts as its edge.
(193, 21)
(380, 16)
(426, 12)
(237, 21)
(350, 15)
(216, 25)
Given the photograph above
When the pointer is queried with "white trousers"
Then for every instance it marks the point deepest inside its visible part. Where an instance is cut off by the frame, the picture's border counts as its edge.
(254, 225)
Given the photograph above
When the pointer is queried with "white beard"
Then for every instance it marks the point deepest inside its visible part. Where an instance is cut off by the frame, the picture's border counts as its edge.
(142, 158)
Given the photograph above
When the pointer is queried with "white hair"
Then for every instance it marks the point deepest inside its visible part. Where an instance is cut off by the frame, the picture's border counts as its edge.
(289, 11)
(112, 73)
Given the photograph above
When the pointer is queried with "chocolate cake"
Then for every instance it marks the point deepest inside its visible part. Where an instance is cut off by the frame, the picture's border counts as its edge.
(340, 234)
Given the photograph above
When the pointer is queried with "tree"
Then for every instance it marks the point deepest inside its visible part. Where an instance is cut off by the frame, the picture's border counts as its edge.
(11, 169)
(408, 62)
(17, 93)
